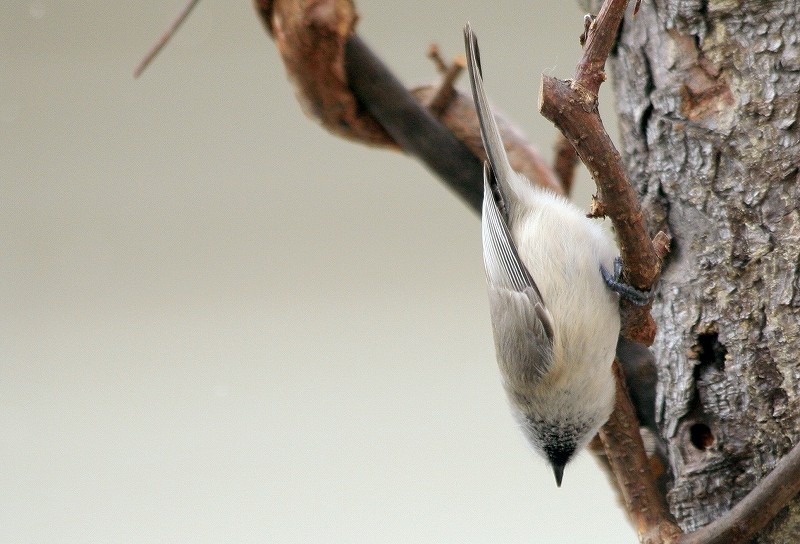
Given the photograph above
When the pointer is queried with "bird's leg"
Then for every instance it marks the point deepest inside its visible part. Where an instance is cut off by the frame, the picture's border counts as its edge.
(615, 283)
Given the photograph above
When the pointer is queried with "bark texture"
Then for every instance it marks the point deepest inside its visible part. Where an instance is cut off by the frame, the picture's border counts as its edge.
(707, 94)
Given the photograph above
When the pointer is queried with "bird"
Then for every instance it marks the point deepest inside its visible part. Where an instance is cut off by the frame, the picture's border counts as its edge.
(554, 304)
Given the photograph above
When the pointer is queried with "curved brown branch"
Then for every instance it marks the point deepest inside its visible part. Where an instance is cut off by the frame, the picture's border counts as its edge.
(575, 113)
(334, 73)
(311, 37)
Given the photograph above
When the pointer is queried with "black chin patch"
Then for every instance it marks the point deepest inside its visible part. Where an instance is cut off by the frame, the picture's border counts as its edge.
(559, 453)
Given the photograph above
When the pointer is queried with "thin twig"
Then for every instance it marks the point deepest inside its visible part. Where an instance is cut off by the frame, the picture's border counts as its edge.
(601, 34)
(756, 509)
(176, 23)
(436, 56)
(445, 93)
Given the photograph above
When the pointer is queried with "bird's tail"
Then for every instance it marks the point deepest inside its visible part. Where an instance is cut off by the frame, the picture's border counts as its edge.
(498, 159)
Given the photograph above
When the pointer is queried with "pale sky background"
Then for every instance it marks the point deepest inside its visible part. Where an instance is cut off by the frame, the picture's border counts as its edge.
(219, 323)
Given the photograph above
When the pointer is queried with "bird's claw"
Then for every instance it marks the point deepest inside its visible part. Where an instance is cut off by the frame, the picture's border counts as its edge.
(615, 283)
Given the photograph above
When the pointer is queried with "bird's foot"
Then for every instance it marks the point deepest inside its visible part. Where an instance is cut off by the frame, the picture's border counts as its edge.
(615, 283)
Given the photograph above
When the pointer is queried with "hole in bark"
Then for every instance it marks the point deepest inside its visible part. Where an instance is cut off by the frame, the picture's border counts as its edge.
(710, 351)
(700, 436)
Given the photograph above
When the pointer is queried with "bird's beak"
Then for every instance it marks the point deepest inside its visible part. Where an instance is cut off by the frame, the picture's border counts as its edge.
(558, 470)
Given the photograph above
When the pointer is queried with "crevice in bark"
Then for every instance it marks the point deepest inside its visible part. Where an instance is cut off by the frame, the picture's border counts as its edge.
(710, 353)
(647, 112)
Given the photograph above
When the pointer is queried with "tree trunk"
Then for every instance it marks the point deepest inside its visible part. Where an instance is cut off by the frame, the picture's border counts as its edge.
(707, 94)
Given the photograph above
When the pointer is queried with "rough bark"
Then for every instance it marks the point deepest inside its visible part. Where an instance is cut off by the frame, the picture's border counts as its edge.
(707, 94)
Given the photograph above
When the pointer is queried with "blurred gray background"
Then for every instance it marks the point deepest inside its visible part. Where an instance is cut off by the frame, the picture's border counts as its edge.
(219, 323)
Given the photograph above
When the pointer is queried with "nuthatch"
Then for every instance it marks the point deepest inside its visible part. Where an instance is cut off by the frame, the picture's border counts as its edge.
(554, 314)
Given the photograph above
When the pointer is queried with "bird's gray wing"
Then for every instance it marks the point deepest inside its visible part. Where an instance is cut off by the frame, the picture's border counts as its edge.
(505, 271)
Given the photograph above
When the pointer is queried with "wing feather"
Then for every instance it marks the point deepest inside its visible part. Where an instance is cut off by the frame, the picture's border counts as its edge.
(504, 268)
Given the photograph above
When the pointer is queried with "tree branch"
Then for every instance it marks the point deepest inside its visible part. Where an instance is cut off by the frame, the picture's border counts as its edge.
(572, 107)
(575, 114)
(627, 458)
(344, 85)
